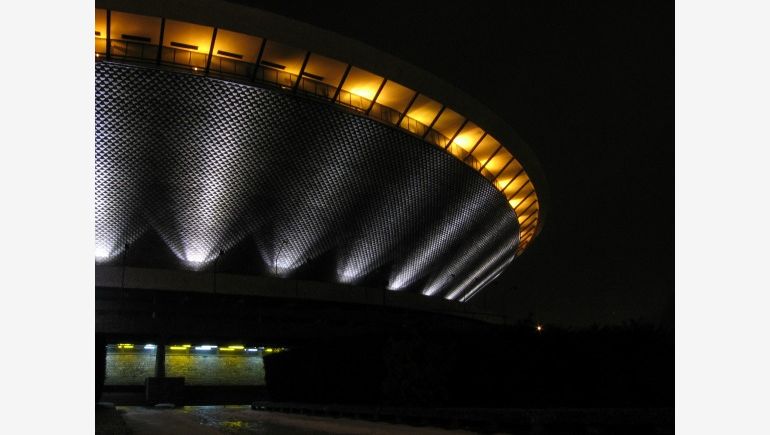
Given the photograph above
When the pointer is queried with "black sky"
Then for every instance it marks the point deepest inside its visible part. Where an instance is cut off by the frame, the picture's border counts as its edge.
(590, 86)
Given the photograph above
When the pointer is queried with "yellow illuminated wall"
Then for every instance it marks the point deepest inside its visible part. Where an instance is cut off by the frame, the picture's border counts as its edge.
(100, 31)
(362, 83)
(197, 37)
(132, 366)
(232, 45)
(325, 70)
(448, 123)
(395, 96)
(468, 137)
(128, 25)
(424, 110)
(289, 58)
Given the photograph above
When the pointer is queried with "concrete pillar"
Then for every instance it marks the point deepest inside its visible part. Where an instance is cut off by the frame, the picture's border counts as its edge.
(160, 358)
(159, 388)
(101, 364)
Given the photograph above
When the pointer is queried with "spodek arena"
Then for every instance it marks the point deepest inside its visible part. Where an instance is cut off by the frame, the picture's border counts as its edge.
(234, 141)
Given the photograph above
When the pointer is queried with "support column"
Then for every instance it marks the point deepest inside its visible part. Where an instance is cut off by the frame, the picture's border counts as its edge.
(160, 358)
(101, 364)
(159, 388)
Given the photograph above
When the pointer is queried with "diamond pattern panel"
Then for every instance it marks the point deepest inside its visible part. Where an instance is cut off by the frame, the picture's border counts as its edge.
(207, 163)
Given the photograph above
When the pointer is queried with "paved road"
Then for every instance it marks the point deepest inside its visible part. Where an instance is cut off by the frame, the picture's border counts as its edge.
(205, 420)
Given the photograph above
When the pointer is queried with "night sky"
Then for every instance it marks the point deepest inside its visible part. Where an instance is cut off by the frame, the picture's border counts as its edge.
(590, 87)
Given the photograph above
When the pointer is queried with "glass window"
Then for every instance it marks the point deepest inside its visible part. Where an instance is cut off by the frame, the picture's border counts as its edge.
(485, 149)
(508, 173)
(468, 137)
(135, 28)
(100, 31)
(237, 46)
(521, 195)
(516, 184)
(324, 69)
(527, 218)
(100, 27)
(187, 36)
(395, 96)
(423, 110)
(448, 123)
(528, 205)
(495, 164)
(283, 57)
(362, 83)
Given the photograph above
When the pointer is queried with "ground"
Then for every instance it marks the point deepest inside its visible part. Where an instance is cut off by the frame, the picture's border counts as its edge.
(205, 420)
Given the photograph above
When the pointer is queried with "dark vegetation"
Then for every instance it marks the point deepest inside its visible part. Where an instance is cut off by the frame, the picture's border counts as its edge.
(631, 365)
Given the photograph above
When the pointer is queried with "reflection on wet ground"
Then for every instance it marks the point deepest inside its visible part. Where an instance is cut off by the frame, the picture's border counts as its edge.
(204, 420)
(237, 419)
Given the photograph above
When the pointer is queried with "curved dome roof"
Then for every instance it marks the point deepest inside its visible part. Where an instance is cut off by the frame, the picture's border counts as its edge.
(207, 164)
(425, 188)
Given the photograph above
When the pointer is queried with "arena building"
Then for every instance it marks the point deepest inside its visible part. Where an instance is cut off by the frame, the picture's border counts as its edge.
(241, 152)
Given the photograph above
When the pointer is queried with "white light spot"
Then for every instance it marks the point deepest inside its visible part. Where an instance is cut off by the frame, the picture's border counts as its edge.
(102, 253)
(196, 258)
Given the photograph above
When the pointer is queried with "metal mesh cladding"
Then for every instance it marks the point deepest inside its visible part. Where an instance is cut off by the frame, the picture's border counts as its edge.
(207, 164)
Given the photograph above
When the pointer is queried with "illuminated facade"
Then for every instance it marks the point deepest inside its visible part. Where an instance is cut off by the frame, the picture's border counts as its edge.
(212, 138)
(130, 364)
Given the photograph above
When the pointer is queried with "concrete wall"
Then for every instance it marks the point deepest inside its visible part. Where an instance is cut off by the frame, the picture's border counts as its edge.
(130, 368)
(251, 285)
